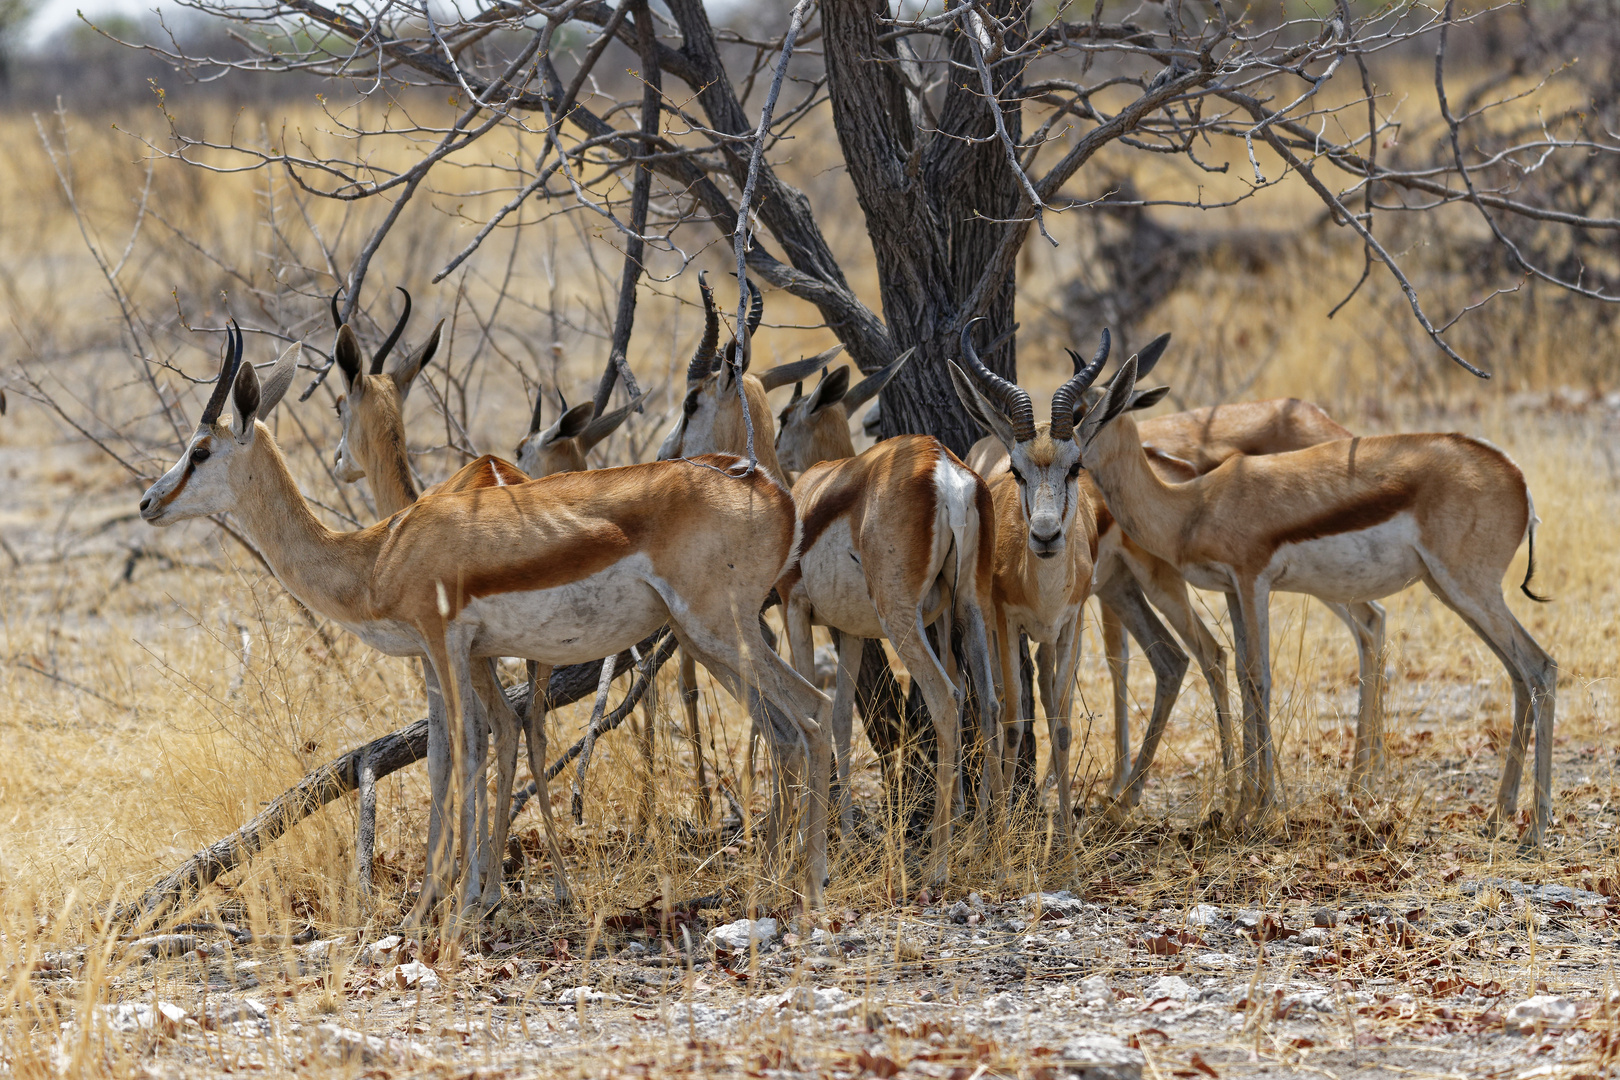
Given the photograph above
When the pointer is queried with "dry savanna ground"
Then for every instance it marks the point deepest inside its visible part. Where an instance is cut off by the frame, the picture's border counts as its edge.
(157, 688)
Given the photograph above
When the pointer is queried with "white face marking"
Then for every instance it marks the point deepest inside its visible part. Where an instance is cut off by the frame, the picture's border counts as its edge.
(198, 484)
(345, 466)
(1048, 494)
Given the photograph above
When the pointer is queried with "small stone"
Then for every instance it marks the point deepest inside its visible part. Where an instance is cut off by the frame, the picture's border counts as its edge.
(1100, 1057)
(1326, 918)
(1168, 986)
(1539, 1013)
(1215, 961)
(737, 936)
(959, 912)
(1095, 988)
(415, 976)
(976, 902)
(581, 995)
(1204, 915)
(1314, 936)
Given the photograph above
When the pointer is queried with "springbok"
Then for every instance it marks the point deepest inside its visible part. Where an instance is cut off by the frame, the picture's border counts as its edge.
(712, 422)
(562, 446)
(560, 570)
(895, 539)
(814, 427)
(1348, 521)
(1046, 545)
(373, 444)
(1181, 446)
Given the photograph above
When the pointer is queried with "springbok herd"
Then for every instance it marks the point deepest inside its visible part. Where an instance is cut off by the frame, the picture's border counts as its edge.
(554, 564)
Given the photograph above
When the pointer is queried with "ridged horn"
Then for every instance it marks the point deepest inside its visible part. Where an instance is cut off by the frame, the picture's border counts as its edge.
(539, 409)
(393, 338)
(227, 373)
(703, 359)
(1012, 400)
(756, 307)
(1069, 393)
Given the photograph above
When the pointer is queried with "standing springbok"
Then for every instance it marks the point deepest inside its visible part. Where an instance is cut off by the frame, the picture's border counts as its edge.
(712, 422)
(1046, 545)
(561, 570)
(1348, 521)
(373, 444)
(1181, 446)
(562, 446)
(895, 539)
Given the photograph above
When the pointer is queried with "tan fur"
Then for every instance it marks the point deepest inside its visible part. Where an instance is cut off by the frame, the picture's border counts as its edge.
(1256, 524)
(878, 557)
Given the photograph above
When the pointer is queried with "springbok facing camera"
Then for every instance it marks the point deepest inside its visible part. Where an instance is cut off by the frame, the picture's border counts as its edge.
(1046, 544)
(1348, 521)
(497, 572)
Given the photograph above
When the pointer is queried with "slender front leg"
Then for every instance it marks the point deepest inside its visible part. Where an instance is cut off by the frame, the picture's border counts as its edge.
(1118, 651)
(1253, 601)
(1249, 796)
(507, 728)
(689, 703)
(534, 728)
(1059, 714)
(1124, 597)
(850, 649)
(992, 792)
(437, 874)
(645, 734)
(1013, 705)
(474, 841)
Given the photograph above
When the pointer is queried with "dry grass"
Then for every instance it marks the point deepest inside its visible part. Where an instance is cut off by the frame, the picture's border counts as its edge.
(157, 687)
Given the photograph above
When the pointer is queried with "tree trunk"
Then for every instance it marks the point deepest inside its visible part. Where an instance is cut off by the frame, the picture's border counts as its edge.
(935, 203)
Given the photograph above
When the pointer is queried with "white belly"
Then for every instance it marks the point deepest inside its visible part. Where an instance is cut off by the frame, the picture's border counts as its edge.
(1041, 626)
(1367, 564)
(835, 584)
(571, 624)
(388, 636)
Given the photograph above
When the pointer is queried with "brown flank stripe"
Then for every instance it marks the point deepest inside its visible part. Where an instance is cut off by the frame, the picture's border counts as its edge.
(1374, 508)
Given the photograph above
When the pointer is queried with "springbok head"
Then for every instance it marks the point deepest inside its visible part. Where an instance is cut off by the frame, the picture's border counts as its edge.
(711, 420)
(1120, 396)
(562, 446)
(372, 406)
(815, 426)
(1044, 458)
(217, 462)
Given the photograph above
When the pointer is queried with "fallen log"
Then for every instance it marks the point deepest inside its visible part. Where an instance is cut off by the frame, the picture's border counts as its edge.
(332, 781)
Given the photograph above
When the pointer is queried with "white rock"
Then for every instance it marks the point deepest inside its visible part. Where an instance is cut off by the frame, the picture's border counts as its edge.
(130, 1016)
(1215, 961)
(1204, 915)
(1064, 903)
(352, 1045)
(581, 995)
(1540, 1012)
(1096, 988)
(415, 976)
(319, 950)
(736, 936)
(1168, 986)
(830, 1000)
(1008, 1003)
(1101, 1057)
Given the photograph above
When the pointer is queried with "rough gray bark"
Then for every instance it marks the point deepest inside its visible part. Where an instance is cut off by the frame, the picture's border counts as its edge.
(936, 205)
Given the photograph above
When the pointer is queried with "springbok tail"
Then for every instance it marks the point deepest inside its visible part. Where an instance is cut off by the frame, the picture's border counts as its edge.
(1530, 568)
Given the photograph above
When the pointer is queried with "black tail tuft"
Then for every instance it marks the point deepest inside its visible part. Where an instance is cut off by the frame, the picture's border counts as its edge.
(1530, 571)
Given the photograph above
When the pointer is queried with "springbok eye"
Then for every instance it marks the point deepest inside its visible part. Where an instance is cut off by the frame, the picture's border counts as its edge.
(691, 405)
(1018, 476)
(1074, 471)
(199, 454)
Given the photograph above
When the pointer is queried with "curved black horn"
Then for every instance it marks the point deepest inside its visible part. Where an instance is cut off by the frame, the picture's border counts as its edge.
(756, 307)
(698, 369)
(1012, 399)
(1068, 394)
(539, 409)
(337, 319)
(393, 337)
(227, 373)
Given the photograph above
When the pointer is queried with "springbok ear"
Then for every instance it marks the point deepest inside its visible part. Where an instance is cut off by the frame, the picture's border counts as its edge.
(606, 424)
(346, 354)
(873, 420)
(1150, 355)
(986, 415)
(574, 421)
(280, 378)
(404, 370)
(783, 374)
(1146, 399)
(830, 390)
(245, 401)
(1115, 400)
